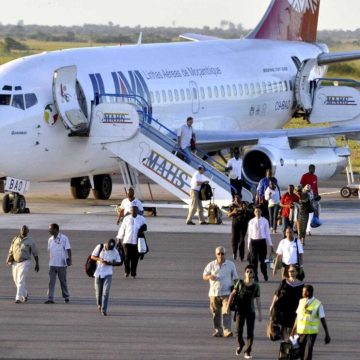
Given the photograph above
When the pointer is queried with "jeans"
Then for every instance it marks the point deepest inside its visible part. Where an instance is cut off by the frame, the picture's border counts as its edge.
(273, 213)
(60, 271)
(102, 292)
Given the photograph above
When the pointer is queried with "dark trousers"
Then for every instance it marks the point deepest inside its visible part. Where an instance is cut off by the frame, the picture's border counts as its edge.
(238, 232)
(131, 258)
(285, 223)
(273, 213)
(236, 187)
(306, 343)
(249, 318)
(258, 250)
(60, 272)
(264, 209)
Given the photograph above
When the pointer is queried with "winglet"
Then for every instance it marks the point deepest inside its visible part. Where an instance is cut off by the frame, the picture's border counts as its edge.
(289, 20)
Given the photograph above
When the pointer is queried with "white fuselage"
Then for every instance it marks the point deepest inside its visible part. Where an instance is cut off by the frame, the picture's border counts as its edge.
(237, 85)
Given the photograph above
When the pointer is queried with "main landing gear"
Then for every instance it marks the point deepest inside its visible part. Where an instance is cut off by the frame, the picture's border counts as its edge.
(81, 186)
(14, 203)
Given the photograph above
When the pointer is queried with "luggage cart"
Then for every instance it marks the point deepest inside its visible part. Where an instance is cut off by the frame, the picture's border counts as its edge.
(352, 187)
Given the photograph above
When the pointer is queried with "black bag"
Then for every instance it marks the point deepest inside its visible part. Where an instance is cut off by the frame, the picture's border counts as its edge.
(300, 270)
(205, 192)
(90, 265)
(273, 330)
(120, 249)
(236, 300)
(288, 351)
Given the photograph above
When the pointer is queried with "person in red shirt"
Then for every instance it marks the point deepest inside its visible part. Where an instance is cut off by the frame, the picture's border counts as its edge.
(311, 179)
(287, 203)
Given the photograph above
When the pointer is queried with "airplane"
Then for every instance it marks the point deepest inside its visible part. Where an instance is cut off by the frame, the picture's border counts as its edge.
(84, 113)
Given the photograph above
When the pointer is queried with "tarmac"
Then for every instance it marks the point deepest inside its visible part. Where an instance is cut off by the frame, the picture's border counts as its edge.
(164, 312)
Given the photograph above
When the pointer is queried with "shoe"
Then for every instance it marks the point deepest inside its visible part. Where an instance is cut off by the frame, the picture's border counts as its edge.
(99, 308)
(126, 275)
(17, 302)
(247, 356)
(266, 277)
(229, 334)
(190, 223)
(25, 299)
(203, 223)
(104, 313)
(234, 256)
(308, 233)
(66, 301)
(239, 349)
(49, 302)
(217, 334)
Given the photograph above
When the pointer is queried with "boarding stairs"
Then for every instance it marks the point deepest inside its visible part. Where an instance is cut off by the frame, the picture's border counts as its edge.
(122, 124)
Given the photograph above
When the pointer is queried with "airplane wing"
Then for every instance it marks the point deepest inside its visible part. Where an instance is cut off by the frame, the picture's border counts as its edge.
(335, 57)
(198, 37)
(209, 141)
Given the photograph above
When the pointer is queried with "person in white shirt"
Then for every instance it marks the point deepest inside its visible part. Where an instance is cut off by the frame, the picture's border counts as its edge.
(185, 136)
(272, 196)
(60, 258)
(196, 181)
(234, 165)
(290, 252)
(258, 240)
(221, 274)
(132, 227)
(106, 256)
(125, 205)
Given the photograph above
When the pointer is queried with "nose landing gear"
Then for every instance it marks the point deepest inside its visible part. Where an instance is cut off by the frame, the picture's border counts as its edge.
(14, 203)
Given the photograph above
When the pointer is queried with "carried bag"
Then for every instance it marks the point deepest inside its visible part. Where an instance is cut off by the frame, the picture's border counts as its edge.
(301, 272)
(120, 249)
(273, 330)
(289, 351)
(315, 222)
(142, 245)
(205, 192)
(236, 300)
(90, 265)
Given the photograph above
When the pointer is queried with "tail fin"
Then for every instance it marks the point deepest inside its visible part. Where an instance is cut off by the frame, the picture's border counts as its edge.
(289, 20)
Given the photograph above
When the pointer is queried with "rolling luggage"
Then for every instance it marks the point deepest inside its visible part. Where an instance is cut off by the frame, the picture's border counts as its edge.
(288, 351)
(214, 213)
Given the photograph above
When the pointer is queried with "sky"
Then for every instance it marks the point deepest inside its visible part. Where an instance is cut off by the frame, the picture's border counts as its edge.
(334, 14)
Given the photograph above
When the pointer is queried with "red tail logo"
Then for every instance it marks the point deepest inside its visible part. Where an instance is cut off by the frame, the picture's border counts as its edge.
(289, 20)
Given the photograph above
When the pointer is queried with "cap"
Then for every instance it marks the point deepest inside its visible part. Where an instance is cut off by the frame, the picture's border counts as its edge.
(201, 167)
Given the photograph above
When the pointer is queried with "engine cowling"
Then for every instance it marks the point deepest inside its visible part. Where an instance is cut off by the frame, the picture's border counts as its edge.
(288, 165)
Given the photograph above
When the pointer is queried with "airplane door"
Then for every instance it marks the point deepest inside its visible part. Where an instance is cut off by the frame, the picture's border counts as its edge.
(65, 92)
(195, 99)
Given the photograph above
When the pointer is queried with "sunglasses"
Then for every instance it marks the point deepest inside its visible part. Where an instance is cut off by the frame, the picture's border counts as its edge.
(220, 253)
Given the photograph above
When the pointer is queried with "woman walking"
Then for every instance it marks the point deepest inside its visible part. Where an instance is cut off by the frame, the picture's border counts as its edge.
(285, 302)
(246, 291)
(272, 196)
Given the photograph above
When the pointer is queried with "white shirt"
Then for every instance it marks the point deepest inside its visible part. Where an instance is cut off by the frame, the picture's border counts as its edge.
(57, 248)
(103, 270)
(288, 251)
(185, 133)
(129, 229)
(195, 178)
(225, 274)
(126, 205)
(259, 229)
(274, 199)
(236, 164)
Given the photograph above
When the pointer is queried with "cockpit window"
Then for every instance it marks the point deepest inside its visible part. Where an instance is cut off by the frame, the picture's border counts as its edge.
(5, 99)
(18, 88)
(18, 102)
(7, 88)
(30, 100)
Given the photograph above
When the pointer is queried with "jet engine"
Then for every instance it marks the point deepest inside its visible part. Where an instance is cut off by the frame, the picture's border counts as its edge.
(288, 165)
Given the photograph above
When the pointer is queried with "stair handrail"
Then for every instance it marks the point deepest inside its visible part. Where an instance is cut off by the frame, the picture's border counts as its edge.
(344, 80)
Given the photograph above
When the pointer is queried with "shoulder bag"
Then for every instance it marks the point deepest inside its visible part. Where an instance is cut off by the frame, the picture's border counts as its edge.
(301, 272)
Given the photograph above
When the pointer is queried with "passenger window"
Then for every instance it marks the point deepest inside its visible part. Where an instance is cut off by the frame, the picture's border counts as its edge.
(269, 87)
(182, 94)
(222, 91)
(18, 102)
(252, 88)
(246, 89)
(188, 95)
(152, 96)
(170, 95)
(209, 92)
(241, 91)
(30, 100)
(258, 89)
(202, 92)
(216, 91)
(234, 90)
(280, 86)
(163, 95)
(275, 89)
(5, 99)
(264, 87)
(157, 96)
(176, 94)
(228, 89)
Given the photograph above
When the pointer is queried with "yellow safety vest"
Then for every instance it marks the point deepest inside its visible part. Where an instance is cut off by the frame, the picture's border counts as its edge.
(308, 320)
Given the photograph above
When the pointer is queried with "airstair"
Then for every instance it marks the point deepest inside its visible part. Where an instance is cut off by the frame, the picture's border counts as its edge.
(122, 124)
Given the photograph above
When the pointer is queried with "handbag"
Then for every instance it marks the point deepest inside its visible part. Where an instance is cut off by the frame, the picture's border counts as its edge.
(236, 300)
(273, 330)
(142, 245)
(301, 272)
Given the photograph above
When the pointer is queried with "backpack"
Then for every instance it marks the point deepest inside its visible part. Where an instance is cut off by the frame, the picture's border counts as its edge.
(214, 214)
(205, 192)
(90, 265)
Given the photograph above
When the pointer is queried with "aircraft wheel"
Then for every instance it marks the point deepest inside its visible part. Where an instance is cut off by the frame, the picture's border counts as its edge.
(80, 187)
(19, 206)
(103, 187)
(7, 203)
(345, 192)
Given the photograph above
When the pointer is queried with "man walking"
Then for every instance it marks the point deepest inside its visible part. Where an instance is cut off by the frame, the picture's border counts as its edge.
(258, 240)
(309, 314)
(196, 181)
(106, 256)
(60, 258)
(221, 274)
(260, 192)
(185, 138)
(19, 258)
(234, 165)
(125, 206)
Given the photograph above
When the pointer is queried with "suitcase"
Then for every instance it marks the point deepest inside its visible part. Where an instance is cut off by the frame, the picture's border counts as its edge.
(214, 214)
(288, 351)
